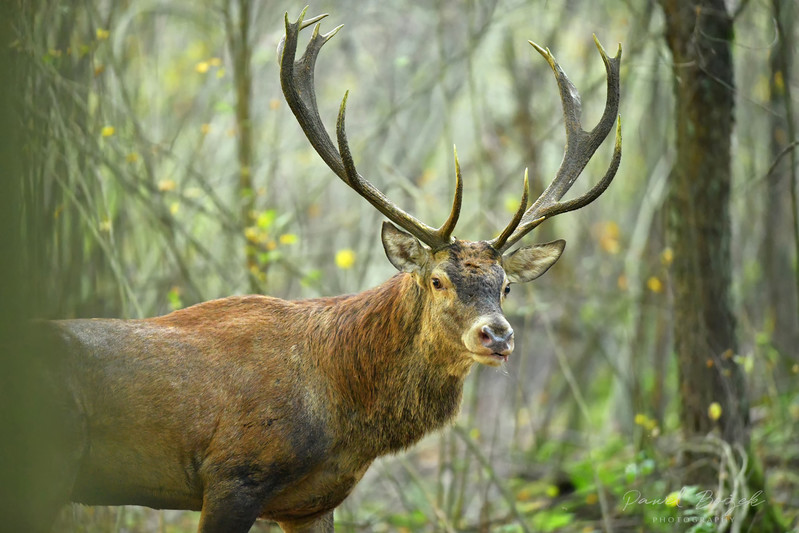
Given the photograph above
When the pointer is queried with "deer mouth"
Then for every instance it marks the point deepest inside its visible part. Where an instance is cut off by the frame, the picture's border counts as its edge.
(490, 359)
(502, 357)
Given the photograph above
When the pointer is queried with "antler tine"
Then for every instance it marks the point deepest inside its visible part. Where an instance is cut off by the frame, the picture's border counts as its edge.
(446, 229)
(435, 238)
(297, 81)
(557, 208)
(499, 242)
(580, 147)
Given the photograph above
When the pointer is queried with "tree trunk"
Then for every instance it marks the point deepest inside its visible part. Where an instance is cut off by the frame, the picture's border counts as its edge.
(241, 50)
(780, 240)
(698, 34)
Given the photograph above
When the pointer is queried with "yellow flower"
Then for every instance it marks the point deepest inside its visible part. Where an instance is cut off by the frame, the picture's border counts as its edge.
(102, 34)
(609, 237)
(714, 411)
(257, 274)
(673, 499)
(645, 422)
(252, 234)
(107, 131)
(523, 495)
(779, 82)
(167, 185)
(288, 238)
(654, 285)
(667, 256)
(345, 259)
(202, 67)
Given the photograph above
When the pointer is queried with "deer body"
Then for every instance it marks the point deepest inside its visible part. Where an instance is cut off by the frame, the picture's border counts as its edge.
(249, 407)
(293, 400)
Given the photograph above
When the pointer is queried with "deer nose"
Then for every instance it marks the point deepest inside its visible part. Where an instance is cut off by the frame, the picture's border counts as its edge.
(498, 338)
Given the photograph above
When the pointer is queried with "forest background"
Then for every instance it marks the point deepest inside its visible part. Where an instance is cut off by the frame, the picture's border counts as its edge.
(150, 162)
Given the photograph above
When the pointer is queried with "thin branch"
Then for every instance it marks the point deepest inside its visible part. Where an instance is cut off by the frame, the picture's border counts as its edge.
(509, 498)
(785, 151)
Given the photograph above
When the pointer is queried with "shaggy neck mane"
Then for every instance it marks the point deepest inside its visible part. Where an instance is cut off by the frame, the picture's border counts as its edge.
(382, 378)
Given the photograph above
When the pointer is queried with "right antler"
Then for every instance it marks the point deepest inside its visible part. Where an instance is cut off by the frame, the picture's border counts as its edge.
(297, 81)
(580, 147)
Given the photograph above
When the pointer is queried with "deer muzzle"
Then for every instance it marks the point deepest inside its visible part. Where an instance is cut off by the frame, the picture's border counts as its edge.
(490, 340)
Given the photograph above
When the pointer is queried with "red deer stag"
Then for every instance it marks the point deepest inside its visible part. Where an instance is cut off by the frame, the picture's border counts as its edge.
(248, 407)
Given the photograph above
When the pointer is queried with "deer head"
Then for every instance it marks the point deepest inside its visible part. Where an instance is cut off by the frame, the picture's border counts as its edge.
(462, 283)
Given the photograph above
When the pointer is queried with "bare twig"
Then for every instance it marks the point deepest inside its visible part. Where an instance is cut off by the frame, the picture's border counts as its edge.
(510, 500)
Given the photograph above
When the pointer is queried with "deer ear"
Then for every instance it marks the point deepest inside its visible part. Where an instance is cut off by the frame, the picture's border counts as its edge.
(526, 264)
(403, 249)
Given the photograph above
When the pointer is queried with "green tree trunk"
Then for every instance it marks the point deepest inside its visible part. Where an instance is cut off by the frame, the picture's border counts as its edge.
(32, 471)
(238, 31)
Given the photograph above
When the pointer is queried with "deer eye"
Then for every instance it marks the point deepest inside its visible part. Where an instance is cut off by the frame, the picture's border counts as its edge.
(507, 289)
(437, 283)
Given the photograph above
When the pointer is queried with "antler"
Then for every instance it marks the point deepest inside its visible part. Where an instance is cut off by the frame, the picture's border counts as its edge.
(580, 147)
(297, 80)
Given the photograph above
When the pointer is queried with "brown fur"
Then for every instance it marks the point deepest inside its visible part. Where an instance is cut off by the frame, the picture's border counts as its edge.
(255, 406)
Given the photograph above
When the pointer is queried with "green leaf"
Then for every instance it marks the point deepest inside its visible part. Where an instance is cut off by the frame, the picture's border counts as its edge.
(311, 278)
(223, 107)
(264, 258)
(174, 298)
(266, 218)
(412, 520)
(553, 520)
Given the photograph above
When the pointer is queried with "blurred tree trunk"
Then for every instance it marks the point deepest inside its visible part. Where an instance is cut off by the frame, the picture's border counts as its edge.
(238, 14)
(13, 487)
(698, 33)
(31, 446)
(781, 286)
